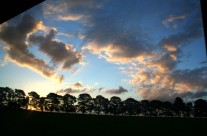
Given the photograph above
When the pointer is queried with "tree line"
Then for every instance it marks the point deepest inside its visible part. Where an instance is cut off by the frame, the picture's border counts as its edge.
(17, 99)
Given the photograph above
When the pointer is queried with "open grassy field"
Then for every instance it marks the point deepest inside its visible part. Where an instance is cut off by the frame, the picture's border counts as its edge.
(29, 122)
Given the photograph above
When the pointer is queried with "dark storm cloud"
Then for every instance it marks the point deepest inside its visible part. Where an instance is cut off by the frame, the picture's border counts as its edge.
(58, 52)
(120, 90)
(15, 39)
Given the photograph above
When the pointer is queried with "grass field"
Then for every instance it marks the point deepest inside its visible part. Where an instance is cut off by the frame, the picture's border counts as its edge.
(30, 122)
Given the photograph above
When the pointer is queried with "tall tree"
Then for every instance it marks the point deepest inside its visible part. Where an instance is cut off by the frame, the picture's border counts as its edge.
(167, 109)
(131, 106)
(34, 99)
(42, 103)
(200, 108)
(19, 97)
(99, 103)
(115, 105)
(178, 106)
(2, 97)
(53, 101)
(145, 107)
(68, 103)
(188, 109)
(84, 102)
(155, 107)
(106, 106)
(8, 99)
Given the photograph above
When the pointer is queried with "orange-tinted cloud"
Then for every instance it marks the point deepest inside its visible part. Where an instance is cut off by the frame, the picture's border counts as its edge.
(16, 43)
(171, 19)
(77, 86)
(125, 52)
(14, 38)
(70, 17)
(155, 85)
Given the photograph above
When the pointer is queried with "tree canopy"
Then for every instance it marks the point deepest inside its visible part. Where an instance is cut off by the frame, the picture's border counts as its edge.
(17, 99)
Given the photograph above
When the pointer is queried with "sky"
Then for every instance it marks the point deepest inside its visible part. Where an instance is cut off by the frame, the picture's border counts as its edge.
(143, 49)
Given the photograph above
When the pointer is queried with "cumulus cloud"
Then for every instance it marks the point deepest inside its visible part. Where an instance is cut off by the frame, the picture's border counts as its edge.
(193, 79)
(170, 95)
(155, 85)
(14, 38)
(76, 88)
(70, 91)
(122, 47)
(107, 35)
(120, 90)
(155, 73)
(118, 45)
(159, 77)
(58, 52)
(111, 38)
(18, 39)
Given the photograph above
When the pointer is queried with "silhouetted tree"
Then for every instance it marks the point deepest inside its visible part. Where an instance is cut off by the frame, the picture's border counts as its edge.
(178, 106)
(200, 108)
(68, 103)
(188, 109)
(167, 109)
(34, 99)
(2, 97)
(84, 102)
(8, 98)
(114, 105)
(90, 106)
(106, 109)
(19, 98)
(145, 107)
(99, 103)
(155, 107)
(25, 102)
(42, 103)
(131, 105)
(16, 99)
(53, 101)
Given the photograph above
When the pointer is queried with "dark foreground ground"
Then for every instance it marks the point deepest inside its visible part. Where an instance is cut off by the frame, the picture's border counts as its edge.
(37, 123)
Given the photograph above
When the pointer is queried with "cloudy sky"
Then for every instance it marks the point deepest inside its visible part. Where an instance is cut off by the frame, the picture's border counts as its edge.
(144, 49)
